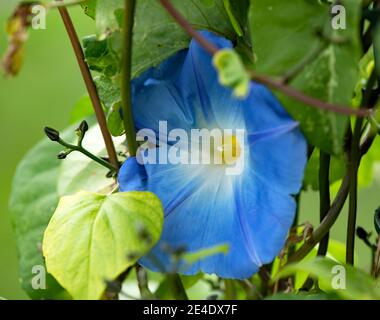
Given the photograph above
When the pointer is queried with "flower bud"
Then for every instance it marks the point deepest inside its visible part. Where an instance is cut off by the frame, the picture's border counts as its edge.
(62, 155)
(52, 134)
(377, 220)
(361, 233)
(83, 127)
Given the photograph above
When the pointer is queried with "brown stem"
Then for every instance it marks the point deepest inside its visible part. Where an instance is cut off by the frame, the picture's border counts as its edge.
(208, 46)
(53, 5)
(90, 85)
(274, 84)
(376, 268)
(313, 102)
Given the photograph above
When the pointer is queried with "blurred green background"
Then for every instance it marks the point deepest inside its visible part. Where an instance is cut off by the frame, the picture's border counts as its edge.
(43, 94)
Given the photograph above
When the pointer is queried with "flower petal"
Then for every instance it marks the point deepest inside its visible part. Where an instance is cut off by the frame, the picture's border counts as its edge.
(203, 213)
(265, 216)
(156, 98)
(279, 158)
(203, 206)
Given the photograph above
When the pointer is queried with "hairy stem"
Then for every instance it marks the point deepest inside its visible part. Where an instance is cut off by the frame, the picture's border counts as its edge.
(126, 92)
(90, 85)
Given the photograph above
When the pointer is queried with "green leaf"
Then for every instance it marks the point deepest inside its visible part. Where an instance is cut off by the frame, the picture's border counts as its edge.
(78, 172)
(240, 11)
(33, 200)
(93, 237)
(115, 121)
(109, 90)
(376, 46)
(156, 35)
(368, 164)
(39, 182)
(282, 38)
(89, 7)
(105, 17)
(232, 72)
(156, 38)
(358, 284)
(208, 3)
(102, 55)
(234, 21)
(336, 251)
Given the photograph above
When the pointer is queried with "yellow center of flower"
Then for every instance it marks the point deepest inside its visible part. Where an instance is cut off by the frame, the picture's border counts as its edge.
(229, 150)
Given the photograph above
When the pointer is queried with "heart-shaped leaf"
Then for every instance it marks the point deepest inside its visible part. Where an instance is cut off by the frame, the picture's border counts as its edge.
(93, 238)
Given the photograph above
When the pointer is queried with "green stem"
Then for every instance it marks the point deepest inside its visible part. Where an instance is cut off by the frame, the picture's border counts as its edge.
(353, 190)
(88, 154)
(324, 207)
(229, 289)
(292, 248)
(142, 282)
(177, 287)
(126, 93)
(354, 163)
(326, 224)
(324, 196)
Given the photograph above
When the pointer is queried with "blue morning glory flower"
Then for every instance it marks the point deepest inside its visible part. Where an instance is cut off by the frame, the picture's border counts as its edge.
(251, 211)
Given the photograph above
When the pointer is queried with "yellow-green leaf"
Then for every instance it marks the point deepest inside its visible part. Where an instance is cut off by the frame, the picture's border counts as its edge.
(93, 238)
